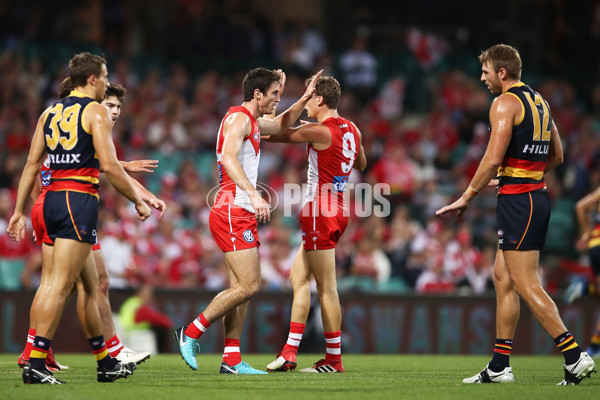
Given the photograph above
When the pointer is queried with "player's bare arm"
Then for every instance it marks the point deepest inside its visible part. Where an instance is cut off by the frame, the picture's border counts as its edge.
(504, 112)
(555, 152)
(100, 127)
(285, 120)
(37, 154)
(313, 133)
(583, 209)
(139, 165)
(235, 128)
(361, 159)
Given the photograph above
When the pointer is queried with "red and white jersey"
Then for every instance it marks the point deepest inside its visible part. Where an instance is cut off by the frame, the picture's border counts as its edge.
(248, 157)
(329, 169)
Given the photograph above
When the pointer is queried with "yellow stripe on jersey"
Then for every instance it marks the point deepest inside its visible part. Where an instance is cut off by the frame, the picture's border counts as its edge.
(89, 179)
(594, 243)
(520, 173)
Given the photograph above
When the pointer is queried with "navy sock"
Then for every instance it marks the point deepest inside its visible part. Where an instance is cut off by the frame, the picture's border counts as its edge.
(569, 347)
(501, 357)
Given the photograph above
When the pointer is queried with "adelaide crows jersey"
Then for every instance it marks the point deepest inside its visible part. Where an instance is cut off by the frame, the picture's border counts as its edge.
(522, 169)
(70, 147)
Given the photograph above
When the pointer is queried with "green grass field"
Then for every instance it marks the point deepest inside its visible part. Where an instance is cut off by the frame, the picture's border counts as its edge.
(367, 377)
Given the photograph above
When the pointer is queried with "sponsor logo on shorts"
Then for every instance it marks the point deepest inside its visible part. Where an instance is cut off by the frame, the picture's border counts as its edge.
(83, 229)
(340, 183)
(248, 236)
(500, 233)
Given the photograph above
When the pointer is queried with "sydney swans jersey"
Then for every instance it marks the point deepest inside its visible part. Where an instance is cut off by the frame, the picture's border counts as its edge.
(70, 147)
(522, 169)
(249, 156)
(329, 169)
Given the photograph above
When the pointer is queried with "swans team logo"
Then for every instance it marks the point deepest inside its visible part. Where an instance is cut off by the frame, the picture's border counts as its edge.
(248, 236)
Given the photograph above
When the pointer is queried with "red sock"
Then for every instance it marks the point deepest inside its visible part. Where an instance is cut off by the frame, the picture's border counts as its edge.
(333, 344)
(114, 346)
(197, 327)
(294, 338)
(231, 354)
(29, 344)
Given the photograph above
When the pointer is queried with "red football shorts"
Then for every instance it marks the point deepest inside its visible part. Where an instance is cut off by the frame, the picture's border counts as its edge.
(37, 220)
(321, 229)
(233, 228)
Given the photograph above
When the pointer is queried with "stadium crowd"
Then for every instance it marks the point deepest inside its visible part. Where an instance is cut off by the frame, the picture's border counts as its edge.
(425, 154)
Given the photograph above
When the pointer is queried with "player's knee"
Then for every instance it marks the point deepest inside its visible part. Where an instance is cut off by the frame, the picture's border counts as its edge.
(327, 291)
(299, 282)
(250, 289)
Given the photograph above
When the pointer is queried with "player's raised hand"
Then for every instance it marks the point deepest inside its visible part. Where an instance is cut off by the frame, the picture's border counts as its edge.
(310, 89)
(16, 227)
(282, 82)
(140, 165)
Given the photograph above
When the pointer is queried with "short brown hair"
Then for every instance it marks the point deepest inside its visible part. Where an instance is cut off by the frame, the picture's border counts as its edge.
(115, 90)
(83, 65)
(65, 88)
(258, 78)
(329, 88)
(503, 56)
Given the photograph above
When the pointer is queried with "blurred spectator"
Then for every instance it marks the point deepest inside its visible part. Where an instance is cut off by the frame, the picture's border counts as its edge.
(139, 313)
(359, 70)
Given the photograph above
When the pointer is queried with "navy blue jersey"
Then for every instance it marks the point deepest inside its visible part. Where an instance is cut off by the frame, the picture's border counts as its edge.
(523, 166)
(70, 147)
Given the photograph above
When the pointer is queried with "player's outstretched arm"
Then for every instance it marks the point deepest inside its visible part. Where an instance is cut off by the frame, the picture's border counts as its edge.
(503, 112)
(100, 128)
(37, 154)
(307, 133)
(139, 165)
(287, 118)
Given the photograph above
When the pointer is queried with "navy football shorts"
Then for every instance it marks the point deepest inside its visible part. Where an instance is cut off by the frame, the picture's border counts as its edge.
(523, 220)
(71, 215)
(594, 253)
